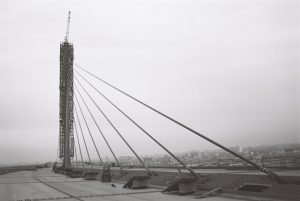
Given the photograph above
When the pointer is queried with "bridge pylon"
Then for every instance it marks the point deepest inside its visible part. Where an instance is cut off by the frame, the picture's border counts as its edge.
(66, 117)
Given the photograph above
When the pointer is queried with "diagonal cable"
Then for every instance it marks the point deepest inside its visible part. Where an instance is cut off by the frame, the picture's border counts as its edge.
(261, 168)
(136, 124)
(98, 127)
(74, 106)
(117, 131)
(78, 144)
(87, 151)
(87, 126)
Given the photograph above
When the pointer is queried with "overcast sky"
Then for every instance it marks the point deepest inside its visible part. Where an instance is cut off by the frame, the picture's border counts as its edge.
(228, 69)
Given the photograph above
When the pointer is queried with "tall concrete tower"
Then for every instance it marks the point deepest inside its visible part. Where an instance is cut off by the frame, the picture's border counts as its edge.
(66, 117)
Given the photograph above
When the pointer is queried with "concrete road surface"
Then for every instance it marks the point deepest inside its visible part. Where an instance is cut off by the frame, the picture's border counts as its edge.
(45, 185)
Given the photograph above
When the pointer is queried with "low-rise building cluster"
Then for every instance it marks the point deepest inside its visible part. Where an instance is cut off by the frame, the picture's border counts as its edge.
(277, 156)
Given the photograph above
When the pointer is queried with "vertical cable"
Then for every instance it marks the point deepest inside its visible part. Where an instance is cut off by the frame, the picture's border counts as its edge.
(75, 155)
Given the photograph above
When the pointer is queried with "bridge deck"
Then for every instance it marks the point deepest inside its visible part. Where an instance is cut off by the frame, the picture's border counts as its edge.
(45, 185)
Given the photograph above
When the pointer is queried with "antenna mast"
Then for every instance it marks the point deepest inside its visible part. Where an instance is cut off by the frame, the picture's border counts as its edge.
(68, 27)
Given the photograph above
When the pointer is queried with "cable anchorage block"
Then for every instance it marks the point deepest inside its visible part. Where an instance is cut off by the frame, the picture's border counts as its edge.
(138, 182)
(91, 174)
(75, 172)
(183, 185)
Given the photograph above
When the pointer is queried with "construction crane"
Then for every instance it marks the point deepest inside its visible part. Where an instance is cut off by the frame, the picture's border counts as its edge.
(68, 27)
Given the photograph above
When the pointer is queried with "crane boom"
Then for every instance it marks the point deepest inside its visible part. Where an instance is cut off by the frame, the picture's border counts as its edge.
(68, 27)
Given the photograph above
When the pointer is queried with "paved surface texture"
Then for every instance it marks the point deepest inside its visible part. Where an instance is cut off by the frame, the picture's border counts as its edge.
(45, 185)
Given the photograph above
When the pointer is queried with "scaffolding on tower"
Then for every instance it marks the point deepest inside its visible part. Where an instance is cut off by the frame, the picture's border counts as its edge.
(66, 117)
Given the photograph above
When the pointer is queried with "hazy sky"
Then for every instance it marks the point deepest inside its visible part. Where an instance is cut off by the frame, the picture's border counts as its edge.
(229, 69)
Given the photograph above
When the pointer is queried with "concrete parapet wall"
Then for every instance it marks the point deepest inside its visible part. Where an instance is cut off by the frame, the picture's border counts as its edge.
(5, 170)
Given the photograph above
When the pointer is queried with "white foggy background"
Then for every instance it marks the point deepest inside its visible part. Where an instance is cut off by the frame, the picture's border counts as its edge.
(228, 69)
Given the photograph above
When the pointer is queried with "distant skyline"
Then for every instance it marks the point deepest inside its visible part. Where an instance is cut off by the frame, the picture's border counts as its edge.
(156, 154)
(229, 70)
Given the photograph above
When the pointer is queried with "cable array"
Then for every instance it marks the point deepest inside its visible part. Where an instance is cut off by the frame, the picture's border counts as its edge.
(85, 79)
(77, 106)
